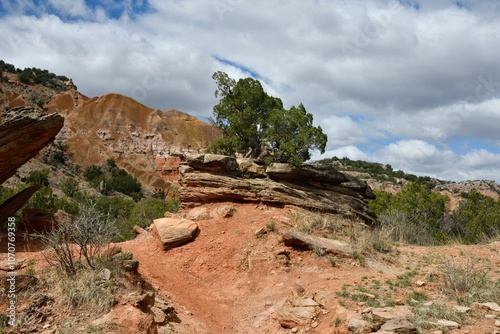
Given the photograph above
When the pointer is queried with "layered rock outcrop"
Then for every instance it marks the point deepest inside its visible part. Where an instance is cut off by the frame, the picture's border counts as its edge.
(208, 178)
(23, 133)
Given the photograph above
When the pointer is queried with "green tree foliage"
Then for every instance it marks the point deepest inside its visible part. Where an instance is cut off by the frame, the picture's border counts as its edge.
(7, 67)
(250, 119)
(35, 75)
(59, 155)
(476, 220)
(123, 182)
(415, 214)
(114, 206)
(377, 170)
(291, 135)
(115, 179)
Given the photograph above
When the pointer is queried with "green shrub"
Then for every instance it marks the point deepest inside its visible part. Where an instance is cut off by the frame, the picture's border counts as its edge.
(92, 172)
(70, 187)
(476, 220)
(40, 177)
(414, 215)
(123, 182)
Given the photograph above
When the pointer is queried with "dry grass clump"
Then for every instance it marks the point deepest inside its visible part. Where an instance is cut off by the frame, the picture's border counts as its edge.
(364, 239)
(468, 281)
(87, 291)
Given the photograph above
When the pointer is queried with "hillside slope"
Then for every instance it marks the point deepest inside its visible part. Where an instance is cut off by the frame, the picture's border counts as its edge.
(118, 127)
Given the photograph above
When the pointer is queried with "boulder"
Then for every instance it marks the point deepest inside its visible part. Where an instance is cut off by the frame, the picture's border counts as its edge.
(199, 213)
(23, 133)
(173, 232)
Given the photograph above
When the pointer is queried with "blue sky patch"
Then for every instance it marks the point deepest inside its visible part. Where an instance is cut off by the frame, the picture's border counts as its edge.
(114, 9)
(243, 68)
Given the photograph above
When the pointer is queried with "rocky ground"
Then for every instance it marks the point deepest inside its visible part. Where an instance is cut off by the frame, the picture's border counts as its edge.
(237, 276)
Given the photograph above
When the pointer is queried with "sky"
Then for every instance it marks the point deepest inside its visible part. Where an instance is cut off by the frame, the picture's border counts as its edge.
(410, 83)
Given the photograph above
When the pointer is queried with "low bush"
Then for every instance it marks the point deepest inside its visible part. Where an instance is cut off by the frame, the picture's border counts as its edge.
(74, 245)
(468, 281)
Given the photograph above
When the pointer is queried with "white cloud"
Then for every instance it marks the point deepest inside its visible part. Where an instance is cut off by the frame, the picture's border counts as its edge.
(416, 83)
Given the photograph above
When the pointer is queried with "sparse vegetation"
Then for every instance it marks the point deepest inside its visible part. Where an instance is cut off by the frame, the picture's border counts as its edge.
(48, 79)
(376, 170)
(71, 244)
(469, 280)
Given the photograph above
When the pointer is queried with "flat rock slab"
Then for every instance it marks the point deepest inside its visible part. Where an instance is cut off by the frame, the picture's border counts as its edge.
(491, 306)
(399, 326)
(302, 240)
(385, 314)
(173, 232)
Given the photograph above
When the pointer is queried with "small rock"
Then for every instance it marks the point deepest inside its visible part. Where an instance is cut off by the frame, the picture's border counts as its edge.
(497, 323)
(370, 296)
(105, 274)
(358, 325)
(289, 317)
(491, 306)
(295, 330)
(225, 211)
(490, 316)
(421, 283)
(315, 324)
(399, 326)
(158, 315)
(199, 213)
(463, 309)
(298, 290)
(448, 324)
(385, 314)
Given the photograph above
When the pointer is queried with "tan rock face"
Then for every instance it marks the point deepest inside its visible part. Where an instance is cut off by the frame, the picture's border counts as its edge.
(142, 140)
